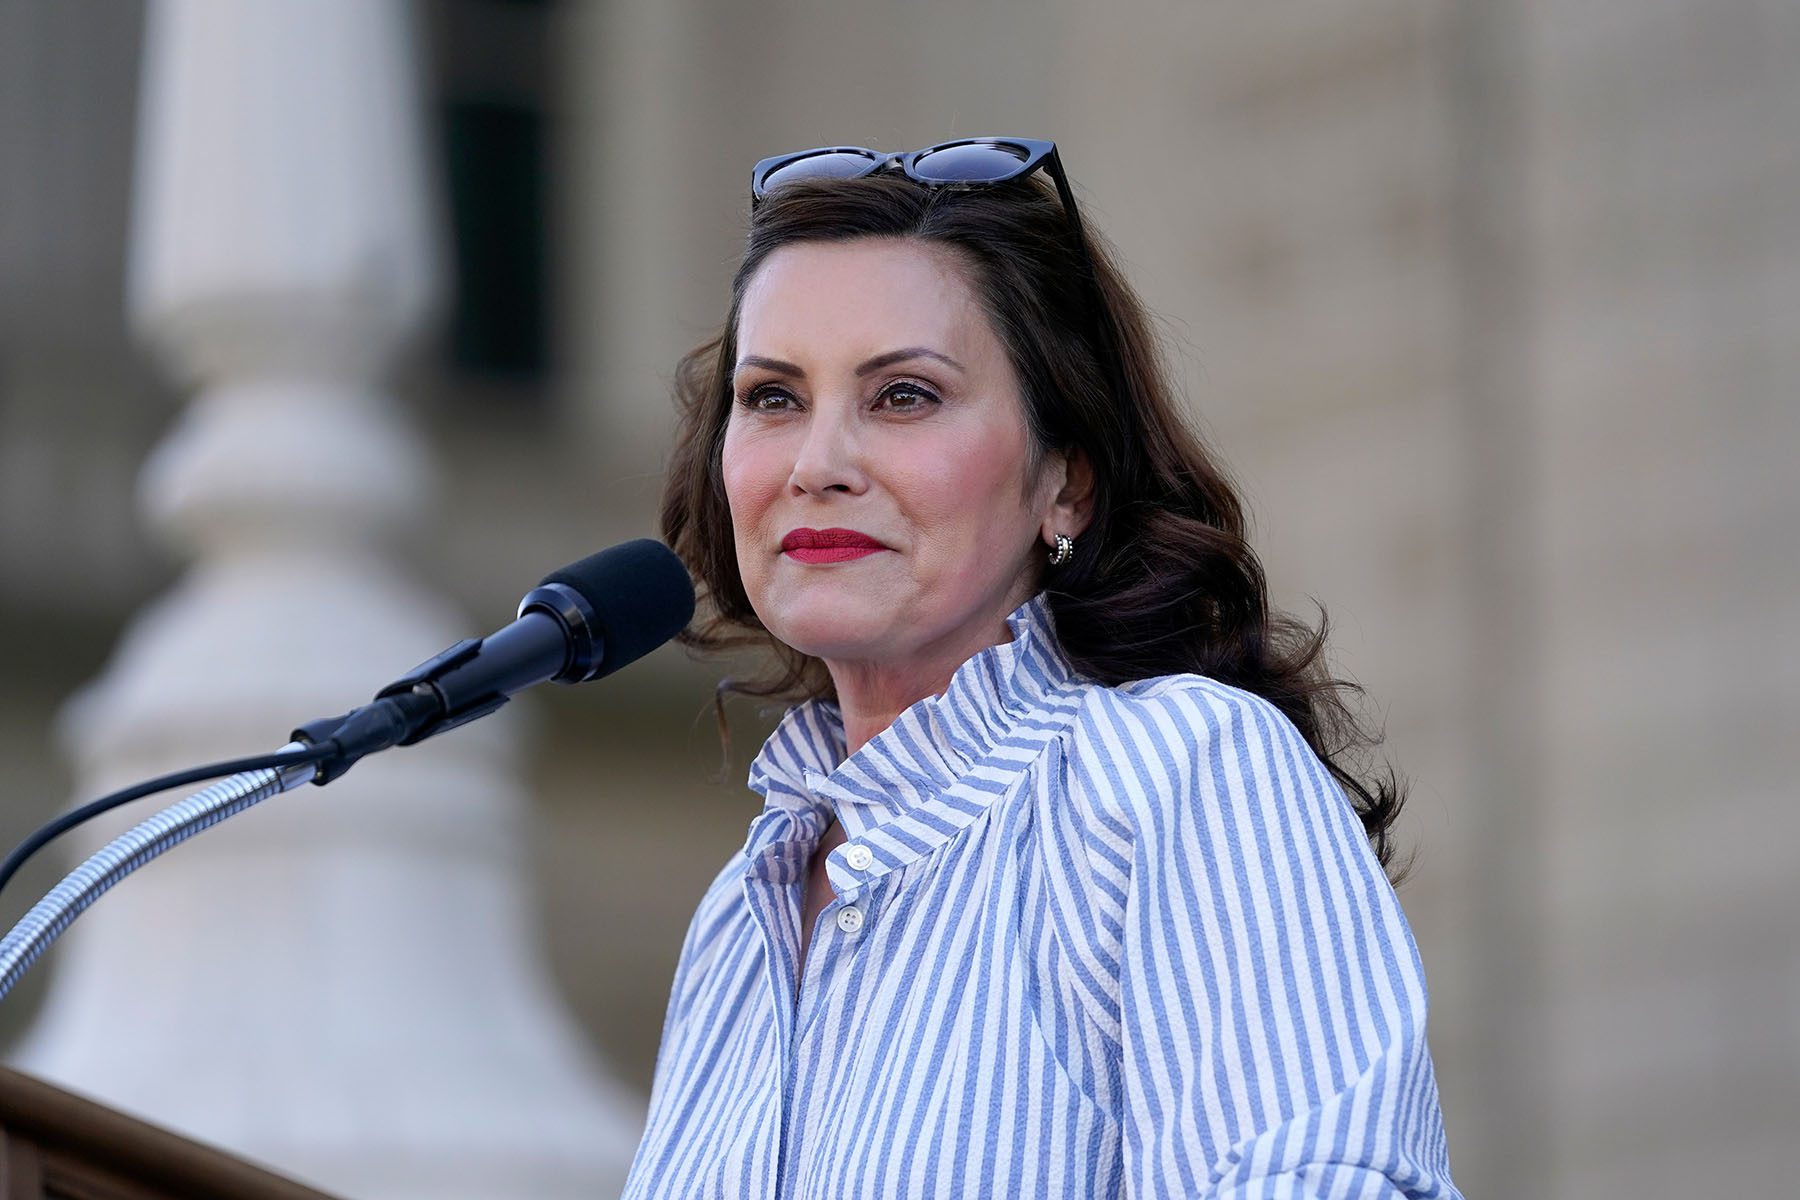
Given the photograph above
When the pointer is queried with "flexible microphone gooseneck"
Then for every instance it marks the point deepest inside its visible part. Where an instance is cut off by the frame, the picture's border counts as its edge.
(581, 623)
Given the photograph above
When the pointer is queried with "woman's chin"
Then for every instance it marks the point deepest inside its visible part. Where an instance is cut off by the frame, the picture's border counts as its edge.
(835, 627)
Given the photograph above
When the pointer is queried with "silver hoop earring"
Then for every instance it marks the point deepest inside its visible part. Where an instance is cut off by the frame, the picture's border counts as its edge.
(1065, 550)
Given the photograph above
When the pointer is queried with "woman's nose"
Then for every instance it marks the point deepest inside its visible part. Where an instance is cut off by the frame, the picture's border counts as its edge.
(829, 458)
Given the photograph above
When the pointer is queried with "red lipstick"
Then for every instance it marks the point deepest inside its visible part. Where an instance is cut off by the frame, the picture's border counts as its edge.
(828, 545)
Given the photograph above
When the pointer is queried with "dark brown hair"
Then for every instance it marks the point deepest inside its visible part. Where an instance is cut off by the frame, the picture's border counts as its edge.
(1162, 581)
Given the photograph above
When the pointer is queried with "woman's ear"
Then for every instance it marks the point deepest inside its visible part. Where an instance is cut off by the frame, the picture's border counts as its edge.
(1072, 508)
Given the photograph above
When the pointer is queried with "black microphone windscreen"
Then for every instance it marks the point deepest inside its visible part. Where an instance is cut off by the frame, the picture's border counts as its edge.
(640, 590)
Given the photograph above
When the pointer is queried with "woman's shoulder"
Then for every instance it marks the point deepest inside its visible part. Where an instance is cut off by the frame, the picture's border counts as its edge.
(1174, 721)
(1135, 750)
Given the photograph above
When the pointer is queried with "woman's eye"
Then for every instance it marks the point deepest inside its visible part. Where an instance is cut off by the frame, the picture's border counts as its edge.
(906, 397)
(766, 399)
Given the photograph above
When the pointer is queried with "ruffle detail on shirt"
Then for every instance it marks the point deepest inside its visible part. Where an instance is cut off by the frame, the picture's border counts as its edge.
(967, 744)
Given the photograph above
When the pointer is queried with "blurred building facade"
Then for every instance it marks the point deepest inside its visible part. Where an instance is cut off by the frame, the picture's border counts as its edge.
(1492, 308)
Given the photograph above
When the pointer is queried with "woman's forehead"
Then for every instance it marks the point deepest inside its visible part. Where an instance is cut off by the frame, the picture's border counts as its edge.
(862, 297)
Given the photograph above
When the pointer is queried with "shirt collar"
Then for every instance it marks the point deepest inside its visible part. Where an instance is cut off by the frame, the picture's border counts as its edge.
(919, 782)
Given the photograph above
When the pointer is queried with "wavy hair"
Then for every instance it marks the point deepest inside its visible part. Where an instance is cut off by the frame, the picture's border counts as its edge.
(1162, 580)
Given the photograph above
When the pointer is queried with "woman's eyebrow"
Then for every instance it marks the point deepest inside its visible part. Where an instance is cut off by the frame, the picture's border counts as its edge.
(782, 367)
(770, 364)
(894, 356)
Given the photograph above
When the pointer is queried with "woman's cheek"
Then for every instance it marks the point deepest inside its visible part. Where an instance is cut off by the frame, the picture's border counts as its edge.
(751, 478)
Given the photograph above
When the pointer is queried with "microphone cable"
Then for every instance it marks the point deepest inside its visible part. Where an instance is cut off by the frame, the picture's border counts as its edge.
(162, 783)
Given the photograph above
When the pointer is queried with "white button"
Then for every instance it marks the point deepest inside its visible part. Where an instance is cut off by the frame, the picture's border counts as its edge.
(850, 918)
(859, 858)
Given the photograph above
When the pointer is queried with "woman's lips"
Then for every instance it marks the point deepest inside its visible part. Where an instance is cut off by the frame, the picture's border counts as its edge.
(828, 545)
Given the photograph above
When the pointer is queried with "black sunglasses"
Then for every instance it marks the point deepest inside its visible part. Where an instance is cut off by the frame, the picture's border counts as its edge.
(963, 163)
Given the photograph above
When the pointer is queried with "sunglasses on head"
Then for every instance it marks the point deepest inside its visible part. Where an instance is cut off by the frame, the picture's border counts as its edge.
(963, 163)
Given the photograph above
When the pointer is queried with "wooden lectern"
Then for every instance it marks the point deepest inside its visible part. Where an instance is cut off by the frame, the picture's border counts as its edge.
(55, 1146)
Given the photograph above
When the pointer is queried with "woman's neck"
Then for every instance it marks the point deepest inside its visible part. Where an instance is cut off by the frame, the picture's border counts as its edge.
(869, 698)
(871, 694)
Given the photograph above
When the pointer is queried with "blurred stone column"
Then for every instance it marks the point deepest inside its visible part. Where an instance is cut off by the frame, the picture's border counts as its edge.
(346, 983)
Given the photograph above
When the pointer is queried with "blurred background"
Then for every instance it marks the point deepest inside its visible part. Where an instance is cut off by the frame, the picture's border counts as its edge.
(327, 328)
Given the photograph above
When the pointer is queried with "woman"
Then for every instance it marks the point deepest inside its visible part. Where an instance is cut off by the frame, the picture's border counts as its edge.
(1065, 883)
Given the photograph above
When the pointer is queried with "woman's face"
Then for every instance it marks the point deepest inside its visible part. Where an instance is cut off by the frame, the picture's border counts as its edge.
(875, 459)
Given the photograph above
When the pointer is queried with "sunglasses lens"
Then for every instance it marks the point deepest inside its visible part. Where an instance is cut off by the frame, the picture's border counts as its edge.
(819, 166)
(975, 163)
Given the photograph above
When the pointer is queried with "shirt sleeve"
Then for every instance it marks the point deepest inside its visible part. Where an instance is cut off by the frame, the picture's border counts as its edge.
(1271, 999)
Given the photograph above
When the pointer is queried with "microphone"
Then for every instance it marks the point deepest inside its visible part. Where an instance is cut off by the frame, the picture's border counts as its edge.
(582, 622)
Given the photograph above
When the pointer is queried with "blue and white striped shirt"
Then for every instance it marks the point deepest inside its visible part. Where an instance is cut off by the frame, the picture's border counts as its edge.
(1085, 941)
